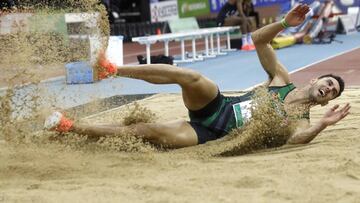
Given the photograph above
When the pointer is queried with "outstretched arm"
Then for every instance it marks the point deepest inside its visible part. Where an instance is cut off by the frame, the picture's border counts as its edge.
(305, 134)
(263, 37)
(293, 18)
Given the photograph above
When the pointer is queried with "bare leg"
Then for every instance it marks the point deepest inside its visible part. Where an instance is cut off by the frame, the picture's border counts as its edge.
(197, 90)
(173, 134)
(235, 21)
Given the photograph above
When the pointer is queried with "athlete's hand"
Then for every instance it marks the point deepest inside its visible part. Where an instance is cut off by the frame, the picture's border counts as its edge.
(297, 15)
(333, 115)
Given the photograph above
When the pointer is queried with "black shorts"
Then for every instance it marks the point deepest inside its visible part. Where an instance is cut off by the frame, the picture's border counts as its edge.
(198, 120)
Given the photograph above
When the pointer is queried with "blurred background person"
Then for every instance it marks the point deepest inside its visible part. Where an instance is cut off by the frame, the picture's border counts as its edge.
(7, 4)
(234, 13)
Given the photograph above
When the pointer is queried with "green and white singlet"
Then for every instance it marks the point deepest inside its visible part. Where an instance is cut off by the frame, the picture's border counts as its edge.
(223, 114)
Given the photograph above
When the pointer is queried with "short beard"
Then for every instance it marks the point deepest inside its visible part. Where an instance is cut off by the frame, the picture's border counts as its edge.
(312, 98)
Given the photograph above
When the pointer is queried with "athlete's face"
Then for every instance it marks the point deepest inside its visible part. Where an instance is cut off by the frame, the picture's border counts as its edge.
(324, 89)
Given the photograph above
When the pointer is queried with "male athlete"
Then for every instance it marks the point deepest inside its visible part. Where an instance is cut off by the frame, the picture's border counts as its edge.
(213, 115)
(234, 13)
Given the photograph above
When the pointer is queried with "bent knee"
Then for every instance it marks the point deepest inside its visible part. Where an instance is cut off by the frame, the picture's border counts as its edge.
(177, 140)
(172, 134)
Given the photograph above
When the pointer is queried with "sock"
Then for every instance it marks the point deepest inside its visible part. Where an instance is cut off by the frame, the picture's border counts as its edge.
(244, 40)
(249, 40)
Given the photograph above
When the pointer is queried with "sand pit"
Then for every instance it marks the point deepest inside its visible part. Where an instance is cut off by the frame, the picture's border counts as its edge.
(326, 170)
(41, 167)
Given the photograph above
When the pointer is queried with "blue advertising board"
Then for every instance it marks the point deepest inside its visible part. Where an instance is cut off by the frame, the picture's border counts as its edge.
(341, 4)
(215, 5)
(269, 2)
(285, 4)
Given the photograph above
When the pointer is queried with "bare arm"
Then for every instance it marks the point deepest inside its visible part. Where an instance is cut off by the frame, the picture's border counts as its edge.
(262, 38)
(306, 133)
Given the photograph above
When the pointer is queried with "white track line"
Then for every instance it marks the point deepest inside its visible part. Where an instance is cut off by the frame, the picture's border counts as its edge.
(29, 83)
(2, 89)
(302, 68)
(342, 53)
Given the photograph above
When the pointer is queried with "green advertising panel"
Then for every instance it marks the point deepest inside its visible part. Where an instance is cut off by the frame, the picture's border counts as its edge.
(48, 23)
(192, 8)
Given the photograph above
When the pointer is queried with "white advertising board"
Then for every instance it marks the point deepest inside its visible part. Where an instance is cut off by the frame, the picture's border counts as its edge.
(164, 11)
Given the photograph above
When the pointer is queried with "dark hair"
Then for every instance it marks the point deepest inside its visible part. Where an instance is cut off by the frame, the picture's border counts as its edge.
(337, 78)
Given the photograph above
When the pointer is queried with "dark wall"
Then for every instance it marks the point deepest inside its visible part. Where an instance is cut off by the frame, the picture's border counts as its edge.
(132, 10)
(7, 3)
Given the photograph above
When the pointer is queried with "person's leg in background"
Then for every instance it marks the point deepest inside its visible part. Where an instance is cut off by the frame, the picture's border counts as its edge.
(244, 28)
